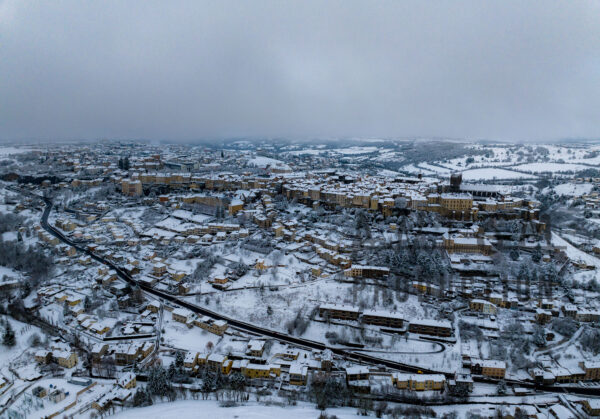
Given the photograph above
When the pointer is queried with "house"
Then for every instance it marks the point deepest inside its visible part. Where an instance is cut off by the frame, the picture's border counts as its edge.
(148, 281)
(357, 373)
(126, 354)
(326, 359)
(98, 350)
(80, 381)
(467, 245)
(182, 315)
(217, 327)
(339, 312)
(57, 396)
(153, 306)
(102, 327)
(146, 349)
(190, 360)
(363, 271)
(117, 396)
(65, 359)
(493, 369)
(592, 370)
(460, 382)
(542, 316)
(558, 411)
(563, 375)
(220, 282)
(159, 269)
(218, 362)
(570, 310)
(261, 371)
(127, 380)
(382, 318)
(184, 288)
(591, 406)
(482, 306)
(256, 348)
(431, 327)
(39, 392)
(43, 356)
(426, 288)
(419, 382)
(298, 374)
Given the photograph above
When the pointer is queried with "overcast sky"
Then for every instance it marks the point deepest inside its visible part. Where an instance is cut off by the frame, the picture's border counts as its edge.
(186, 70)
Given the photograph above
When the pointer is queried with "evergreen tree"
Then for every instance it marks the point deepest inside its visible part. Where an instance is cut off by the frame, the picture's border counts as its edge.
(142, 398)
(237, 381)
(171, 371)
(537, 254)
(514, 254)
(149, 401)
(179, 359)
(158, 382)
(139, 397)
(8, 339)
(538, 337)
(501, 389)
(25, 289)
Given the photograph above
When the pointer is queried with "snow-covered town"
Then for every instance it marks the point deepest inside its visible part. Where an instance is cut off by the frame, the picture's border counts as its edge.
(316, 209)
(332, 276)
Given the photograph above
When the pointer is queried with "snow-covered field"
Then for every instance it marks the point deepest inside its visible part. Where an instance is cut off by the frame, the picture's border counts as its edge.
(310, 151)
(356, 150)
(211, 409)
(573, 189)
(262, 162)
(493, 173)
(550, 167)
(7, 151)
(436, 169)
(411, 168)
(23, 332)
(578, 255)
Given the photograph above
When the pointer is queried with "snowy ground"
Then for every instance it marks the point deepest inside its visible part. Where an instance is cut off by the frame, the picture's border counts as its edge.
(262, 162)
(493, 173)
(23, 332)
(575, 254)
(411, 168)
(485, 406)
(550, 167)
(8, 151)
(356, 150)
(573, 189)
(520, 158)
(179, 336)
(211, 409)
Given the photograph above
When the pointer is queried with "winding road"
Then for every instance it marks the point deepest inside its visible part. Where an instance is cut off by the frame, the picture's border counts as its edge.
(247, 327)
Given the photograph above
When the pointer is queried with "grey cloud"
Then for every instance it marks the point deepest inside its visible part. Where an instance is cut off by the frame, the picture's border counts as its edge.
(186, 70)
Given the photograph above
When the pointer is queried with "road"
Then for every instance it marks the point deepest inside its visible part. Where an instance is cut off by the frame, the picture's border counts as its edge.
(232, 322)
(247, 327)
